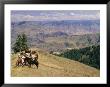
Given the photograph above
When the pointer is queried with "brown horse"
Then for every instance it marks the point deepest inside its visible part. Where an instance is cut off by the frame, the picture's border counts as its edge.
(20, 60)
(34, 55)
(28, 58)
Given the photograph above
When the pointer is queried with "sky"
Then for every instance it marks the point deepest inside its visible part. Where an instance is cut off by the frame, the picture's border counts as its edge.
(50, 15)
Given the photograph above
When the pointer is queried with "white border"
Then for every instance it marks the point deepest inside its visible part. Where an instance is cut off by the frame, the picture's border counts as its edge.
(56, 80)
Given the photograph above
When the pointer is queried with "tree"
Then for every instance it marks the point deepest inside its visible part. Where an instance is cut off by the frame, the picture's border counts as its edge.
(20, 44)
(88, 55)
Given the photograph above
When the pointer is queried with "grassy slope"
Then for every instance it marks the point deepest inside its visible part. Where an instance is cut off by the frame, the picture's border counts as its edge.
(53, 66)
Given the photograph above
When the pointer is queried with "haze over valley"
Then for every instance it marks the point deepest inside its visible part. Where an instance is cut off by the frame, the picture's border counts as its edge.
(58, 35)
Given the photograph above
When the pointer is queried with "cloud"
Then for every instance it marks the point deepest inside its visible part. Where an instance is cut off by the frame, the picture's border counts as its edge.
(72, 13)
(54, 15)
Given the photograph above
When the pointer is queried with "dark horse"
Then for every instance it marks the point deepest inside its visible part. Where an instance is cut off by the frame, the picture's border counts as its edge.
(30, 62)
(32, 58)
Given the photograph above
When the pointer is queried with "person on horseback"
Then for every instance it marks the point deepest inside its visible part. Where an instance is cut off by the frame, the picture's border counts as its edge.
(34, 55)
(20, 60)
(28, 53)
(27, 56)
(34, 59)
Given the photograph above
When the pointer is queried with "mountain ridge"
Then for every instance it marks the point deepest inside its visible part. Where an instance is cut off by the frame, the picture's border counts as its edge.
(41, 33)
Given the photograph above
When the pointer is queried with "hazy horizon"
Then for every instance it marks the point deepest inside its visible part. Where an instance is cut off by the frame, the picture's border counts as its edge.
(54, 15)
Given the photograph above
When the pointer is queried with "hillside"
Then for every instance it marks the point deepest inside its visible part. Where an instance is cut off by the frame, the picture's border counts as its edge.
(59, 41)
(58, 35)
(78, 26)
(53, 66)
(88, 55)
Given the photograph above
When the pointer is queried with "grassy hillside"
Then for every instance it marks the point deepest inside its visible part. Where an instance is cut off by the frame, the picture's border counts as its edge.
(88, 55)
(53, 66)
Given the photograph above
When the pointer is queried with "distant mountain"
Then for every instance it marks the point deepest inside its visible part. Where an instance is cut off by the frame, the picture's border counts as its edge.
(73, 27)
(58, 35)
(55, 34)
(62, 22)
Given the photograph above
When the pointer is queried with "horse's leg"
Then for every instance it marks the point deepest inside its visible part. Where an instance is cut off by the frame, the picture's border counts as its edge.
(22, 64)
(29, 65)
(25, 62)
(36, 63)
(17, 63)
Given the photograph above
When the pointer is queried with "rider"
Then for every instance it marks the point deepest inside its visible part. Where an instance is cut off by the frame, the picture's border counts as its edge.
(34, 55)
(22, 57)
(28, 53)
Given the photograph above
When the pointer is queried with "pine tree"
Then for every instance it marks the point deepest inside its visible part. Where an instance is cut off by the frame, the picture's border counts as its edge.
(20, 44)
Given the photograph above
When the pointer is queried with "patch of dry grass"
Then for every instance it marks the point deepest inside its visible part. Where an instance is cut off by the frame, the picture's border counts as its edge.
(53, 66)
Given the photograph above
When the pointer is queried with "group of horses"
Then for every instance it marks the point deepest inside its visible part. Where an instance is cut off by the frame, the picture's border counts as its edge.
(27, 58)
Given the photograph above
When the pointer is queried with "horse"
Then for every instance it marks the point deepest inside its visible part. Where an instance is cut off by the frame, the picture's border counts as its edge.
(32, 59)
(28, 58)
(20, 61)
(34, 55)
(32, 62)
